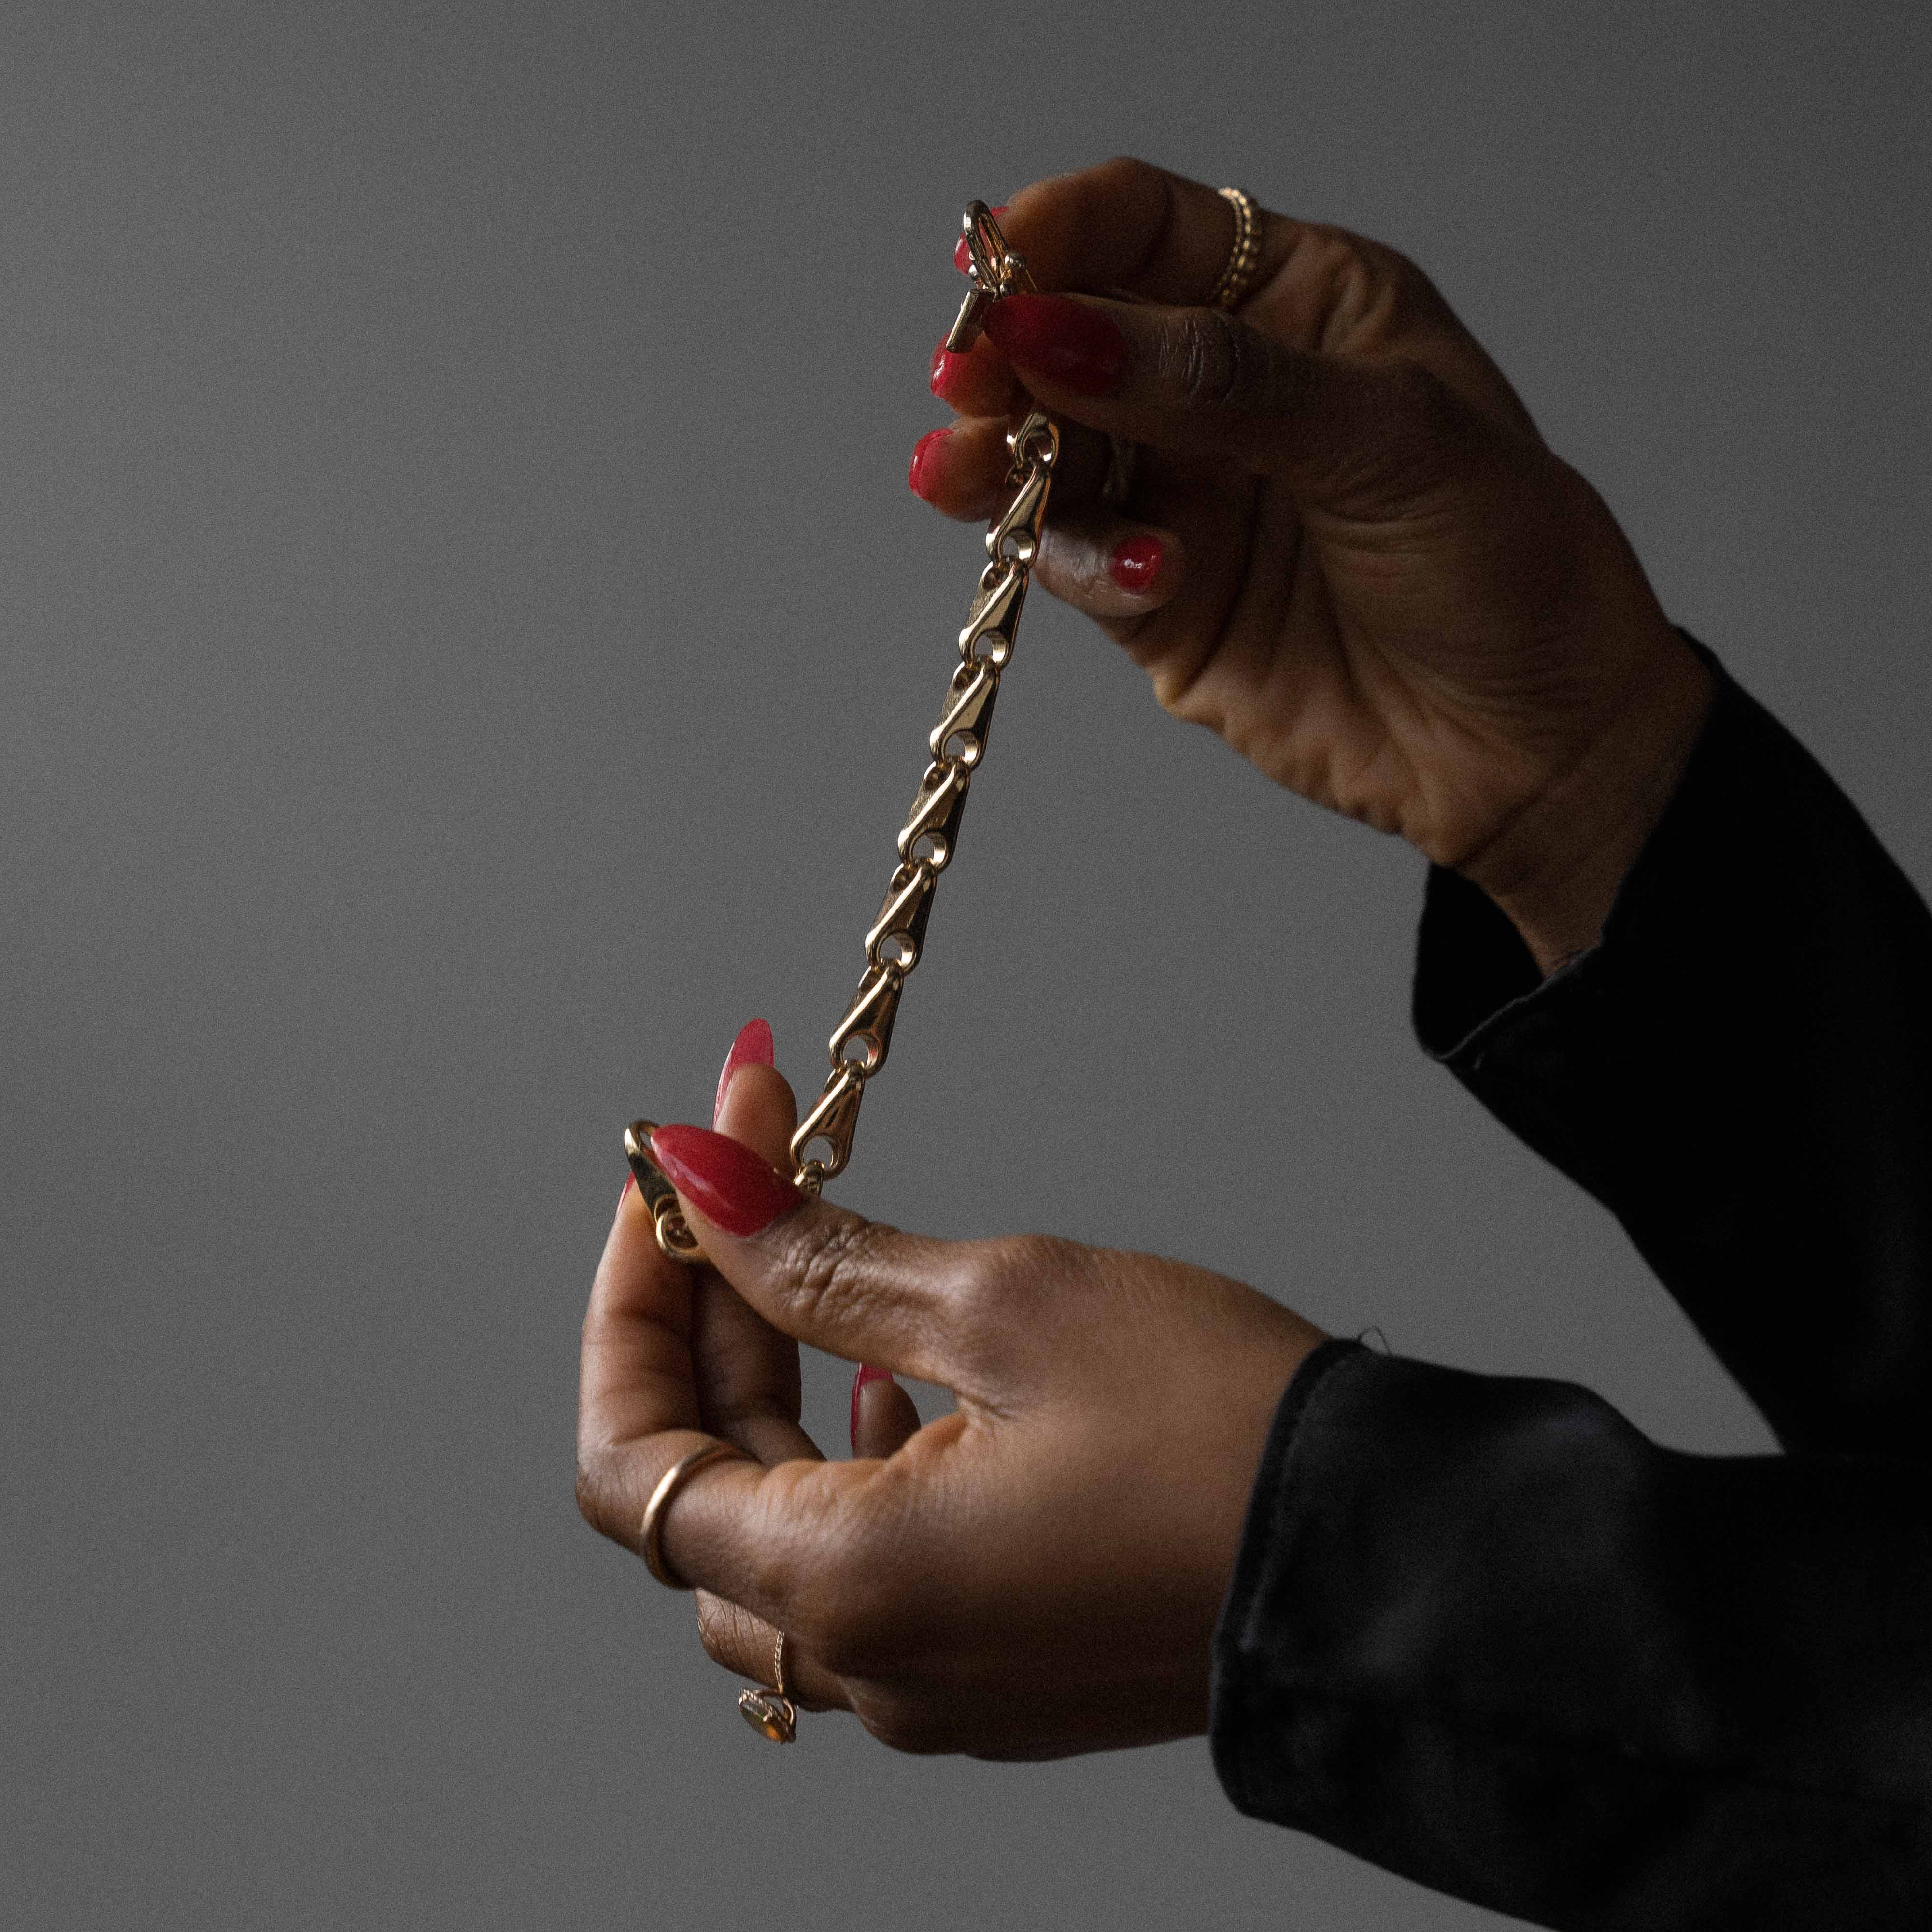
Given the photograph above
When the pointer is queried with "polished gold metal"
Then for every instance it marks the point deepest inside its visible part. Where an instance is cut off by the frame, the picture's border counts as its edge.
(929, 840)
(769, 1711)
(771, 1716)
(1244, 257)
(674, 1231)
(930, 837)
(993, 270)
(673, 1479)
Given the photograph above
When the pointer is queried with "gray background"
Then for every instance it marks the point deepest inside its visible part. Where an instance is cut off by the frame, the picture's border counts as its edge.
(467, 640)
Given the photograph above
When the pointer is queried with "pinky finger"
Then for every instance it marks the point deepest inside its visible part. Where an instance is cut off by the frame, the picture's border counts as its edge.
(1111, 567)
(748, 1646)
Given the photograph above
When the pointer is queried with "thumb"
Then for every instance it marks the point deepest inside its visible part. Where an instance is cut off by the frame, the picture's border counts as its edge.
(1198, 382)
(852, 1287)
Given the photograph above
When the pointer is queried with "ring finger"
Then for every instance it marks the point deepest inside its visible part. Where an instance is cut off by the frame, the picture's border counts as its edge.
(748, 1646)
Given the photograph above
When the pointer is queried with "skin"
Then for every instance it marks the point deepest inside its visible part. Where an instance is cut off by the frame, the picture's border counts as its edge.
(1378, 584)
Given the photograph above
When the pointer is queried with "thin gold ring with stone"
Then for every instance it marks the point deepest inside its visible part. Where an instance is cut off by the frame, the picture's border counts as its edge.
(1243, 257)
(769, 1711)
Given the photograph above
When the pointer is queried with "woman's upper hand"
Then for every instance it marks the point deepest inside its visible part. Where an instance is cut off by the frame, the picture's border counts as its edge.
(1346, 549)
(1036, 1573)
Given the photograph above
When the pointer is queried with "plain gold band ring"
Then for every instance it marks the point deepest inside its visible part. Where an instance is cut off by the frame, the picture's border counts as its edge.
(673, 1479)
(1244, 257)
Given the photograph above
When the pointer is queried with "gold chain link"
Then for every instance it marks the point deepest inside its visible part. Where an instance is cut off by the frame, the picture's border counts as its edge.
(930, 837)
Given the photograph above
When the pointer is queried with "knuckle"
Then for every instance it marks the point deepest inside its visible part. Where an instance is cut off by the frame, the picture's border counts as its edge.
(834, 1624)
(1017, 1271)
(779, 1545)
(857, 1605)
(595, 1501)
(1216, 364)
(726, 1631)
(910, 1728)
(1362, 291)
(850, 1625)
(835, 1268)
(1123, 181)
(1368, 288)
(812, 1616)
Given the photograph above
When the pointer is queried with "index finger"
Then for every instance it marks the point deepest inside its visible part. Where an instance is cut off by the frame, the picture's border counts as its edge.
(854, 1288)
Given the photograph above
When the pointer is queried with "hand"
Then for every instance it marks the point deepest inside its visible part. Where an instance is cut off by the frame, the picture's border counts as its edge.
(1346, 549)
(1035, 1574)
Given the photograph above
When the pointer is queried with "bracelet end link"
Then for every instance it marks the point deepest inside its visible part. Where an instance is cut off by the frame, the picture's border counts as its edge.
(673, 1232)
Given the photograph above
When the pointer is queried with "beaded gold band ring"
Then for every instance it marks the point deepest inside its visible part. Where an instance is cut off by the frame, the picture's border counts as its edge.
(1243, 257)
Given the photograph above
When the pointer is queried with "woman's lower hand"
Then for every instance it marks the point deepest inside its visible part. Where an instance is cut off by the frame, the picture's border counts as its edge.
(1037, 1573)
(1346, 549)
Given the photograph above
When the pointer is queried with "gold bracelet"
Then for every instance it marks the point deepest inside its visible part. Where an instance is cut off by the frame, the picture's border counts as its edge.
(930, 836)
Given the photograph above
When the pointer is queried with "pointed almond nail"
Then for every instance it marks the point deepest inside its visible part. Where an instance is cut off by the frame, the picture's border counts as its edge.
(726, 1182)
(1070, 342)
(866, 1375)
(752, 1048)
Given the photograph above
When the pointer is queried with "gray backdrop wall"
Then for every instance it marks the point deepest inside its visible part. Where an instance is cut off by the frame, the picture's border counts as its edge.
(466, 635)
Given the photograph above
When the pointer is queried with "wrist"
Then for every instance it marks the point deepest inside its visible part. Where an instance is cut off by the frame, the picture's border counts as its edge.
(1556, 871)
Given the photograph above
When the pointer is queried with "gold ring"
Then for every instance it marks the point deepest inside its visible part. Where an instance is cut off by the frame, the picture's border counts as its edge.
(673, 1479)
(770, 1712)
(1243, 257)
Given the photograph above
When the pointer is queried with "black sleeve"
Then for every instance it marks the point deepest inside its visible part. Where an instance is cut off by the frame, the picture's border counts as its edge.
(1484, 1633)
(1741, 1071)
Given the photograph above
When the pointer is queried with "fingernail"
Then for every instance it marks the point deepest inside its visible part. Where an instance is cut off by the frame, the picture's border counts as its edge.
(867, 1373)
(947, 365)
(624, 1193)
(962, 255)
(1135, 563)
(928, 458)
(1071, 343)
(726, 1182)
(752, 1048)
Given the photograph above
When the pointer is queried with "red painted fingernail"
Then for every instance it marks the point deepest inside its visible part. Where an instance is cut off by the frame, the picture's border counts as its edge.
(928, 459)
(962, 255)
(726, 1182)
(1071, 343)
(1136, 564)
(867, 1373)
(752, 1048)
(947, 365)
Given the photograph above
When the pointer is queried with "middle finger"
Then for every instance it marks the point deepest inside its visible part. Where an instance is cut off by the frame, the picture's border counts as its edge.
(746, 1372)
(963, 471)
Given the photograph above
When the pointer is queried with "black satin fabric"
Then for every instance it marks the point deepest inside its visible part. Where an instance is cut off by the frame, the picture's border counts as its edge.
(1484, 1632)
